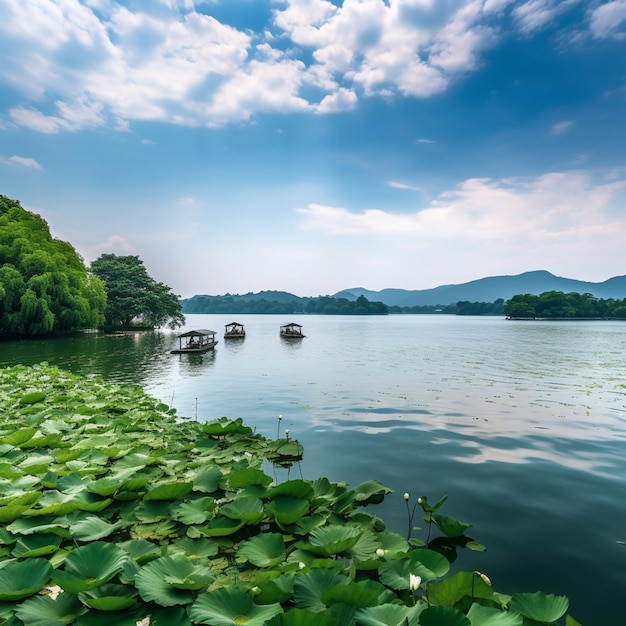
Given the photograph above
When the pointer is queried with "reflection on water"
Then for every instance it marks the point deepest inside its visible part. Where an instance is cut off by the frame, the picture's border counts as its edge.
(523, 424)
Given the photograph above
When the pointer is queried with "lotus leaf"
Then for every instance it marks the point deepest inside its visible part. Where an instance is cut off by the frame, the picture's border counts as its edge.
(231, 606)
(91, 528)
(303, 617)
(390, 615)
(224, 426)
(221, 527)
(360, 595)
(370, 492)
(264, 550)
(169, 616)
(36, 545)
(443, 616)
(297, 488)
(539, 606)
(21, 579)
(33, 397)
(170, 580)
(169, 491)
(449, 526)
(109, 597)
(425, 563)
(248, 509)
(19, 436)
(332, 539)
(309, 587)
(286, 509)
(207, 480)
(194, 512)
(129, 617)
(44, 611)
(306, 524)
(195, 548)
(461, 585)
(487, 616)
(140, 550)
(246, 477)
(90, 566)
(151, 511)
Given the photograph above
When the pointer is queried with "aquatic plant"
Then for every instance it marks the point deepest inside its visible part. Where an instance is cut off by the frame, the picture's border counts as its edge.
(116, 510)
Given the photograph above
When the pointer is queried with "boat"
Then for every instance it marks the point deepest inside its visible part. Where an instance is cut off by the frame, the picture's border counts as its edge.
(195, 342)
(234, 330)
(291, 331)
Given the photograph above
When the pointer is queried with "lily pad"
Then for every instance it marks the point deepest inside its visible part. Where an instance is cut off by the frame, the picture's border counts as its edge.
(231, 606)
(21, 579)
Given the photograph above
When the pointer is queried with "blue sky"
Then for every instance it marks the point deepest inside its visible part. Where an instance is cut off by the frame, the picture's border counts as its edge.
(311, 146)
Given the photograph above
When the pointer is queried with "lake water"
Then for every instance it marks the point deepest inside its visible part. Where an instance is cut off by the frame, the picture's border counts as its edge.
(523, 424)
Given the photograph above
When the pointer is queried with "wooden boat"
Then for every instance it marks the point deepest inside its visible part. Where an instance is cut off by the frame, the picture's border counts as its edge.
(234, 330)
(195, 341)
(291, 331)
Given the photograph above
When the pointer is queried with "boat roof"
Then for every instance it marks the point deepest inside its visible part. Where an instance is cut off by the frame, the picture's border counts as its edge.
(200, 332)
(234, 324)
(292, 324)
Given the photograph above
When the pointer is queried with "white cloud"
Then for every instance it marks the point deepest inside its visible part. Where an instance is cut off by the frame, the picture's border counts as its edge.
(24, 162)
(560, 128)
(608, 20)
(397, 185)
(97, 63)
(563, 206)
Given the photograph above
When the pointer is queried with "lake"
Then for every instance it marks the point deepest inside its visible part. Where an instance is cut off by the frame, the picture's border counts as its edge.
(523, 424)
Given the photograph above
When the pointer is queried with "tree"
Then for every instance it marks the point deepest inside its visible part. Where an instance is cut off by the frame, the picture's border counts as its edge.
(45, 287)
(133, 295)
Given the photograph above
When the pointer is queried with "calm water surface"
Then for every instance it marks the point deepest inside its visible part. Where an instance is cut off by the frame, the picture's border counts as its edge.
(523, 424)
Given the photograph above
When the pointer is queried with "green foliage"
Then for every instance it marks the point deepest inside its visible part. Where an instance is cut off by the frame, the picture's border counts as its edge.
(134, 512)
(133, 295)
(282, 303)
(44, 286)
(560, 305)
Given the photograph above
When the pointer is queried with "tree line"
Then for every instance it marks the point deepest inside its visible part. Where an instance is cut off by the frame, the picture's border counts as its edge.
(321, 305)
(46, 288)
(560, 305)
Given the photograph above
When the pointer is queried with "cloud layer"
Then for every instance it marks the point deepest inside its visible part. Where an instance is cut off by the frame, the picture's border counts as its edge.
(98, 63)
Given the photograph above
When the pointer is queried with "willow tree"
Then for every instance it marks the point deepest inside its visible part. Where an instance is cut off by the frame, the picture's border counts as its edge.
(45, 287)
(133, 295)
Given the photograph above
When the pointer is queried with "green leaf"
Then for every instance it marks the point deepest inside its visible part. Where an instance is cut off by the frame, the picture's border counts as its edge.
(304, 617)
(452, 590)
(90, 566)
(264, 550)
(91, 528)
(370, 492)
(310, 586)
(33, 397)
(169, 491)
(171, 580)
(425, 563)
(248, 509)
(332, 539)
(539, 606)
(449, 526)
(36, 545)
(486, 616)
(246, 477)
(23, 578)
(297, 488)
(44, 611)
(109, 597)
(287, 509)
(359, 595)
(390, 615)
(443, 616)
(231, 606)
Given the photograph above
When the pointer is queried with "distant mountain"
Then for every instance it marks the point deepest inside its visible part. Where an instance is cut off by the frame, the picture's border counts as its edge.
(491, 289)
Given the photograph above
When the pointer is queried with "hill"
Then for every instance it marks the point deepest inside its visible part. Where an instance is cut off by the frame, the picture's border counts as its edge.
(491, 289)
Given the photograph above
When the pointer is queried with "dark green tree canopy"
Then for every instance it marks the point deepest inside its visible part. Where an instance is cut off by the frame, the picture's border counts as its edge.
(45, 287)
(133, 295)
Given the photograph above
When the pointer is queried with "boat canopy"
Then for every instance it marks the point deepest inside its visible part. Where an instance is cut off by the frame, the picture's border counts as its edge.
(201, 332)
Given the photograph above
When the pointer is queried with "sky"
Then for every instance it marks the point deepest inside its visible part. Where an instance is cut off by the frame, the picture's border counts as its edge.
(311, 146)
